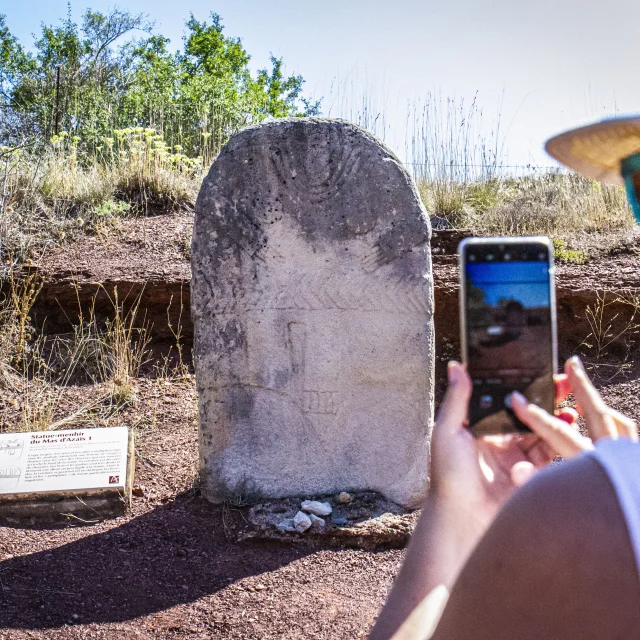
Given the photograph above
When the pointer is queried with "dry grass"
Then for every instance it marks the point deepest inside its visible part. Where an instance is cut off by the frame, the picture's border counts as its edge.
(612, 316)
(38, 371)
(553, 204)
(458, 161)
(50, 196)
(53, 196)
(557, 204)
(614, 322)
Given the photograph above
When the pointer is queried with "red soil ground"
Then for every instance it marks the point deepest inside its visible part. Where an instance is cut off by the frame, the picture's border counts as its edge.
(170, 568)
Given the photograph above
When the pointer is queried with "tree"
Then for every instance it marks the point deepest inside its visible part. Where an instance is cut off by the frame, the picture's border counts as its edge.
(14, 64)
(277, 96)
(92, 79)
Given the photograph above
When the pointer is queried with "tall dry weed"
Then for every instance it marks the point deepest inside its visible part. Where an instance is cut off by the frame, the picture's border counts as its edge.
(557, 204)
(38, 370)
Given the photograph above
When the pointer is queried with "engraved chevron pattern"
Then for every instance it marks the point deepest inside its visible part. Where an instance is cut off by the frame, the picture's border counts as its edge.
(307, 292)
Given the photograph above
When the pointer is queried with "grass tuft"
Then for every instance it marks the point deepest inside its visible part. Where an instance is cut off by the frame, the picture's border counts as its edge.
(37, 371)
(553, 204)
(51, 195)
(562, 254)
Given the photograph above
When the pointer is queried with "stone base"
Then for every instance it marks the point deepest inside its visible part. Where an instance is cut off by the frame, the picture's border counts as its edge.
(368, 522)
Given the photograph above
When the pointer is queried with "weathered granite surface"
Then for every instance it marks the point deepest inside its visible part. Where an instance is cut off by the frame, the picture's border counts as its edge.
(312, 301)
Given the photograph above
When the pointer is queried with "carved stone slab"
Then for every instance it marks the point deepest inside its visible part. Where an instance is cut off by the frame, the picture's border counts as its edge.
(312, 301)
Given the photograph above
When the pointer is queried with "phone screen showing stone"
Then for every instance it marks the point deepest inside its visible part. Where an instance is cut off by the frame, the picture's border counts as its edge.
(508, 327)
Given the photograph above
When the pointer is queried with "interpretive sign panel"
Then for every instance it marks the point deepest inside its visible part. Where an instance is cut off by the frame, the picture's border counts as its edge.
(64, 472)
(63, 460)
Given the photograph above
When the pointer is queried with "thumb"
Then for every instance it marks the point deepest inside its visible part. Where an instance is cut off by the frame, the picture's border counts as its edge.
(455, 405)
(522, 472)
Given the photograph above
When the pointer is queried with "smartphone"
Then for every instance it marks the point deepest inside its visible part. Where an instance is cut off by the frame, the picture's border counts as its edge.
(508, 327)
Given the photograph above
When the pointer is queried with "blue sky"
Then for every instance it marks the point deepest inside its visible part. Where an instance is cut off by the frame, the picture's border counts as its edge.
(526, 282)
(530, 295)
(541, 66)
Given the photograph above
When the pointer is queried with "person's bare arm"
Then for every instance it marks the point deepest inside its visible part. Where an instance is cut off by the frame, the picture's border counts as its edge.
(471, 480)
(438, 549)
(556, 563)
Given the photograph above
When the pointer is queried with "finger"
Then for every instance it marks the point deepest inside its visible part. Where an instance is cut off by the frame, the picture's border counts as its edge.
(568, 415)
(626, 426)
(563, 388)
(600, 423)
(455, 405)
(562, 438)
(522, 472)
(540, 453)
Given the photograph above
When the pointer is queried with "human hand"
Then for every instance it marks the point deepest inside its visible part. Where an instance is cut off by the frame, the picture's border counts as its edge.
(602, 421)
(480, 474)
(472, 478)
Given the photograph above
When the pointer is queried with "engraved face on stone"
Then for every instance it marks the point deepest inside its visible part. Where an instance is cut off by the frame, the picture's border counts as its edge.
(11, 448)
(312, 302)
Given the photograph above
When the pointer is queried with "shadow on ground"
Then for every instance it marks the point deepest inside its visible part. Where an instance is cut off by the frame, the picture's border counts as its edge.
(172, 555)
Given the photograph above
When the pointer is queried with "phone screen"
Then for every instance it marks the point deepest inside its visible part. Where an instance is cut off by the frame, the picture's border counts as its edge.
(510, 325)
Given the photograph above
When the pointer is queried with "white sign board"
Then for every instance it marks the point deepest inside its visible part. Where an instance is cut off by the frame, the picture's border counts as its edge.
(44, 461)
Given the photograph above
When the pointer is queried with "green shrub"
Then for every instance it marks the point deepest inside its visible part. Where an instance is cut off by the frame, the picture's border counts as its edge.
(562, 254)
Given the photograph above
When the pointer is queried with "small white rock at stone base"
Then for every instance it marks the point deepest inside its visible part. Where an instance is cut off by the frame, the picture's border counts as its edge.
(286, 526)
(301, 522)
(316, 523)
(317, 508)
(344, 498)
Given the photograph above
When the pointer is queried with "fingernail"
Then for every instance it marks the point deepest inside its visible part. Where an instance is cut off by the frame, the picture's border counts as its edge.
(568, 415)
(518, 399)
(454, 371)
(522, 472)
(575, 363)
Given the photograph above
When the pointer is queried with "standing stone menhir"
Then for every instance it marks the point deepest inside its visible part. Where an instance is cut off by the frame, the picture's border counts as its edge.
(312, 300)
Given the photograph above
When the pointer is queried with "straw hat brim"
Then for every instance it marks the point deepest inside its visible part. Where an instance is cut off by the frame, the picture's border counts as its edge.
(598, 149)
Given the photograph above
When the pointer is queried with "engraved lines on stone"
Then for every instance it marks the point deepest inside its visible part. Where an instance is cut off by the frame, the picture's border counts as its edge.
(306, 292)
(373, 257)
(228, 210)
(340, 167)
(320, 402)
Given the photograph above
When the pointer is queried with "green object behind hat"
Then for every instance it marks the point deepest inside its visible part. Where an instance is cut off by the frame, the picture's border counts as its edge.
(598, 150)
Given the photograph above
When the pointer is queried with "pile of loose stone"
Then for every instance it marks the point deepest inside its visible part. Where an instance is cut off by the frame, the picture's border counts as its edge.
(311, 514)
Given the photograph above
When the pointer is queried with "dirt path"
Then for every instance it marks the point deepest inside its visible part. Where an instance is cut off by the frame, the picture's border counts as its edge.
(169, 569)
